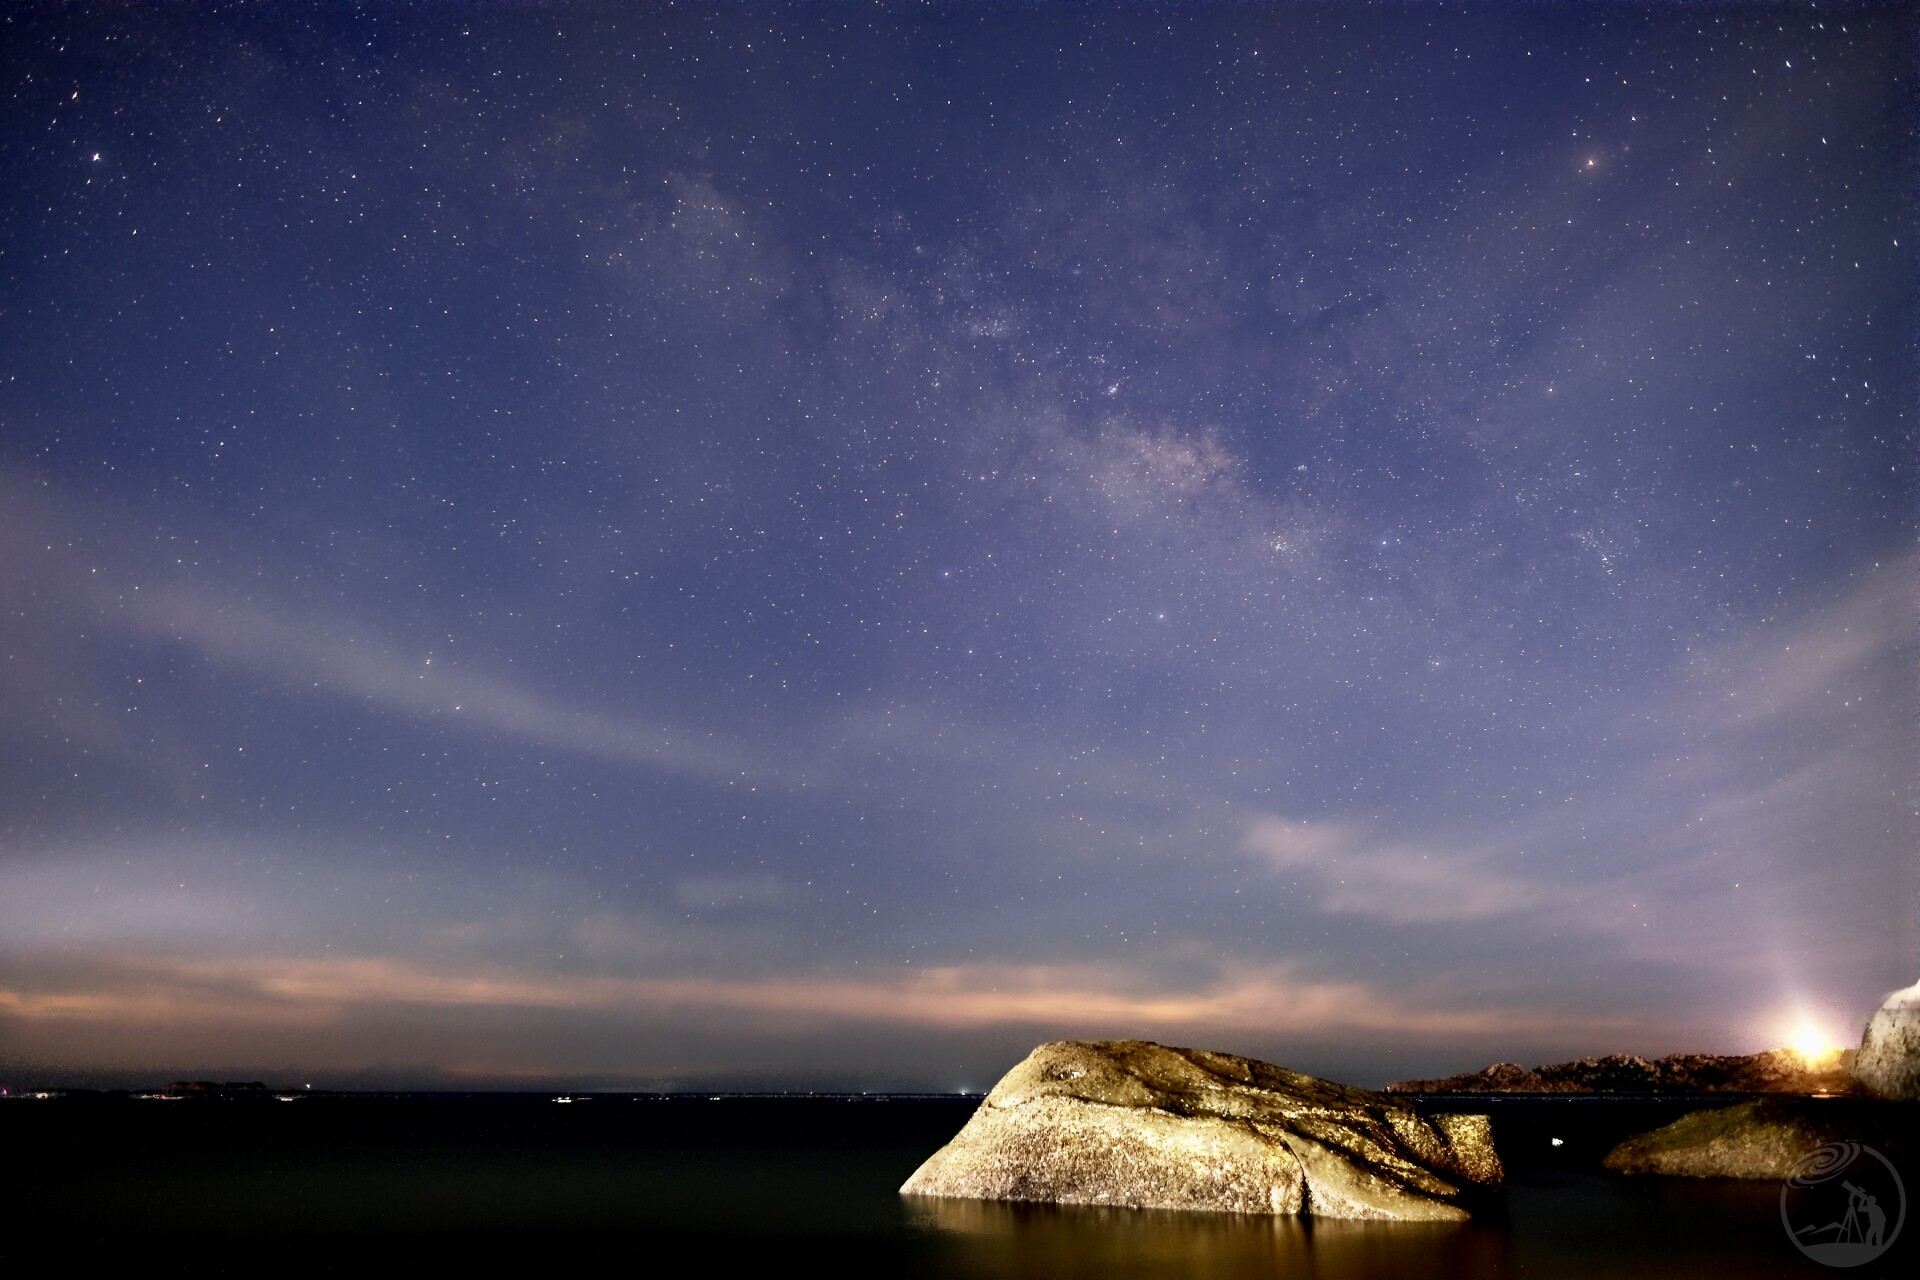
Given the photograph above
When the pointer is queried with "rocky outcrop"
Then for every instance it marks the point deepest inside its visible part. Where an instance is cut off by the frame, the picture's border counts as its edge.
(1775, 1071)
(1767, 1137)
(1760, 1139)
(1501, 1077)
(1888, 1063)
(1142, 1125)
(216, 1086)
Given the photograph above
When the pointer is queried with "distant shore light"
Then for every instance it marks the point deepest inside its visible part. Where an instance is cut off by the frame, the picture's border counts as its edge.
(1812, 1044)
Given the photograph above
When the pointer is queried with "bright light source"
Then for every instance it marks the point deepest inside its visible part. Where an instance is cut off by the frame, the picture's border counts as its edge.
(1813, 1045)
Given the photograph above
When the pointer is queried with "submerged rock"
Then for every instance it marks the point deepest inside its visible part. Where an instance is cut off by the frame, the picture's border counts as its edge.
(1888, 1063)
(1137, 1124)
(1760, 1139)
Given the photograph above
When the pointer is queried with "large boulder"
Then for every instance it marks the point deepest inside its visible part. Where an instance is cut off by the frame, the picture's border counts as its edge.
(1129, 1122)
(1760, 1139)
(1888, 1064)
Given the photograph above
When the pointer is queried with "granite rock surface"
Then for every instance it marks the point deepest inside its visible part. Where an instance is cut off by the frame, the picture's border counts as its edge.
(1759, 1139)
(1138, 1124)
(1888, 1062)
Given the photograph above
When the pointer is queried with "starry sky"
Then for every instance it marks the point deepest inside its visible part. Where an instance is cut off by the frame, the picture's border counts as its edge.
(820, 546)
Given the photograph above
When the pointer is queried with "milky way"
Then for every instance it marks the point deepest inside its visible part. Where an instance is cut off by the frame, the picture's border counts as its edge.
(829, 545)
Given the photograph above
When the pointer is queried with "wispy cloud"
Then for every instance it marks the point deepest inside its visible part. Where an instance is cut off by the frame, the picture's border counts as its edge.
(1749, 807)
(1835, 664)
(1357, 874)
(80, 581)
(165, 989)
(720, 893)
(335, 656)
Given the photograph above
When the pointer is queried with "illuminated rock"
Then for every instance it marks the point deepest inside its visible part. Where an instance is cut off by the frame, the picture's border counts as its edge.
(1138, 1124)
(1888, 1063)
(1762, 1139)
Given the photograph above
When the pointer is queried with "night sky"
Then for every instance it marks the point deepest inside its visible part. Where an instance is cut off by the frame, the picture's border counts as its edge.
(822, 546)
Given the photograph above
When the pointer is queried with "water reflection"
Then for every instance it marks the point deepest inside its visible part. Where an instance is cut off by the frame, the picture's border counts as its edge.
(1005, 1239)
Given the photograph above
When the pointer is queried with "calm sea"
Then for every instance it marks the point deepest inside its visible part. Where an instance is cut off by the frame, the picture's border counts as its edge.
(332, 1183)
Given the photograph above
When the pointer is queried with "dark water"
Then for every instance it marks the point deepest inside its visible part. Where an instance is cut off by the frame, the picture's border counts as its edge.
(336, 1185)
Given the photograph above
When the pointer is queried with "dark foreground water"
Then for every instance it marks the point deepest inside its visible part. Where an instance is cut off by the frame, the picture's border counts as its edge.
(348, 1184)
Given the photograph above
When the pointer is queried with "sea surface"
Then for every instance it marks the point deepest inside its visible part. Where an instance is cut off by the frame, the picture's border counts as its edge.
(330, 1184)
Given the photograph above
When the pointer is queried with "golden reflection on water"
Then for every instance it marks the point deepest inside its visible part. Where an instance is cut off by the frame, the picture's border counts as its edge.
(1018, 1239)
